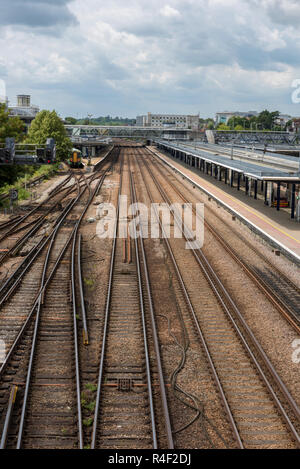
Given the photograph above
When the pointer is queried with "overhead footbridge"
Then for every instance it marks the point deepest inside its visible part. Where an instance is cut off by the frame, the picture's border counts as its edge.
(98, 133)
(253, 137)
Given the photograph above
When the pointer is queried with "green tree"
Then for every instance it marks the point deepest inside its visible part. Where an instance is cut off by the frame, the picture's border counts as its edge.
(288, 124)
(71, 120)
(10, 126)
(243, 122)
(252, 122)
(266, 119)
(47, 124)
(223, 127)
(239, 127)
(234, 121)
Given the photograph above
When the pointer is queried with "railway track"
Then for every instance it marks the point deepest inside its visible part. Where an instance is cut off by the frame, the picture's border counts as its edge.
(275, 285)
(126, 408)
(40, 382)
(260, 408)
(53, 359)
(32, 183)
(25, 227)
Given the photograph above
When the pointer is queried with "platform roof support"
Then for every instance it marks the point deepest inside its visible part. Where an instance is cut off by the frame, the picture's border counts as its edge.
(278, 197)
(239, 182)
(293, 200)
(255, 189)
(246, 185)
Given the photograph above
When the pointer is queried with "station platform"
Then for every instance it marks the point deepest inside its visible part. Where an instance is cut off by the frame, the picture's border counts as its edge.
(95, 160)
(273, 226)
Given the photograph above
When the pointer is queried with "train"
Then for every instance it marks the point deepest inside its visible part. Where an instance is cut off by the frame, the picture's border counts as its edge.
(75, 160)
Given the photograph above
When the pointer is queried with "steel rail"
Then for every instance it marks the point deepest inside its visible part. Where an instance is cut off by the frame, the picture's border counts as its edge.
(37, 307)
(154, 331)
(107, 314)
(81, 291)
(21, 268)
(214, 280)
(106, 318)
(44, 283)
(272, 296)
(37, 225)
(11, 404)
(143, 317)
(73, 237)
(195, 319)
(36, 250)
(9, 222)
(74, 304)
(41, 291)
(31, 212)
(164, 164)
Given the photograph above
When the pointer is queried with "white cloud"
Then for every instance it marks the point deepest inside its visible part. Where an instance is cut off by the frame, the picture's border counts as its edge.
(169, 12)
(178, 55)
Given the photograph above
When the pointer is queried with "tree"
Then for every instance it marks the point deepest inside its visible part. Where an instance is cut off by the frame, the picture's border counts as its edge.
(10, 126)
(236, 120)
(266, 119)
(223, 127)
(71, 120)
(289, 124)
(239, 127)
(47, 124)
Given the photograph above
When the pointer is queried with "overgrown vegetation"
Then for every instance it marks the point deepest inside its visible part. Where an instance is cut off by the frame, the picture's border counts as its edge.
(31, 172)
(89, 282)
(10, 126)
(47, 124)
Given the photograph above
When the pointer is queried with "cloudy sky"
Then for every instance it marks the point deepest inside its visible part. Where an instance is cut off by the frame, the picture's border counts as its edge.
(128, 57)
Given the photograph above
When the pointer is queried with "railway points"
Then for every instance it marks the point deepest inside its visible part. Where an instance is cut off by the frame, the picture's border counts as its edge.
(136, 342)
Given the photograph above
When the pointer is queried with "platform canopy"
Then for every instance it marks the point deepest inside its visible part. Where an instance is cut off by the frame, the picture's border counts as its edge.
(251, 170)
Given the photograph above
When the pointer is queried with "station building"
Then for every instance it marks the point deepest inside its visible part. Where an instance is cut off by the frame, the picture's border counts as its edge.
(24, 109)
(169, 120)
(223, 117)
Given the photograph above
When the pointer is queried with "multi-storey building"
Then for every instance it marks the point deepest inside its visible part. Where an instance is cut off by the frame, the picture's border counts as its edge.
(223, 117)
(24, 109)
(168, 120)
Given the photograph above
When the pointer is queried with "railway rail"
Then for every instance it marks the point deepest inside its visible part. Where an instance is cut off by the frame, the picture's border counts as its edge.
(50, 331)
(233, 351)
(37, 217)
(275, 285)
(32, 183)
(125, 405)
(41, 370)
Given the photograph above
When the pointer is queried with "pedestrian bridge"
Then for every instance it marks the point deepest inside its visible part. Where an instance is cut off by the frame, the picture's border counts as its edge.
(97, 133)
(251, 137)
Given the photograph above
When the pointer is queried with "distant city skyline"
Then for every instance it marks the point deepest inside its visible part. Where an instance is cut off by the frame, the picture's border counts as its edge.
(175, 56)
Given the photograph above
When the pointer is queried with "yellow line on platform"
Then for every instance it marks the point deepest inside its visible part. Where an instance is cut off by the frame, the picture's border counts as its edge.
(238, 202)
